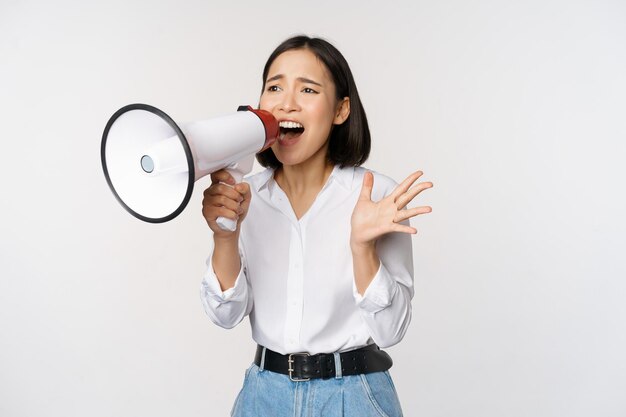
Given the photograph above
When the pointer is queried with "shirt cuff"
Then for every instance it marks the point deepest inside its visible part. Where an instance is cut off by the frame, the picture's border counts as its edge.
(212, 287)
(379, 294)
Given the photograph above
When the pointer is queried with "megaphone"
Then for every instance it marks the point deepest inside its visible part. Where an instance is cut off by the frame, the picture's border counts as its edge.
(151, 164)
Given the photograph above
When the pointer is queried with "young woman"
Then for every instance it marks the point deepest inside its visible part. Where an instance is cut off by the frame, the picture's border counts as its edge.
(321, 259)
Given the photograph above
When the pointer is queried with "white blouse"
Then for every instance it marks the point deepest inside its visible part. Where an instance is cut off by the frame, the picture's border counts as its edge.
(296, 281)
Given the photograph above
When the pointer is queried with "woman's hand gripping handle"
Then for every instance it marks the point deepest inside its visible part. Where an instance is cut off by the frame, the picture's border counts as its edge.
(225, 202)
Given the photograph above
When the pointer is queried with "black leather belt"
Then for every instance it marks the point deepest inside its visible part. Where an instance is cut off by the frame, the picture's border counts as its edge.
(303, 367)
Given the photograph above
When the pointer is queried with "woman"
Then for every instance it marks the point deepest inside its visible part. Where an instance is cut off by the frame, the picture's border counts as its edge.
(321, 259)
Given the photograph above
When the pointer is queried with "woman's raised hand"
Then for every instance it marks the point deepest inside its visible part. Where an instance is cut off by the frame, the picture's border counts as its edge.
(370, 219)
(221, 200)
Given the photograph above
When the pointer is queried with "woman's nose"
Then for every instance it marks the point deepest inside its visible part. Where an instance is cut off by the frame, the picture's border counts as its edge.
(289, 102)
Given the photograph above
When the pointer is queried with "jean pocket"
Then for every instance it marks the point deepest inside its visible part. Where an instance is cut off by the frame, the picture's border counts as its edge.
(382, 394)
(234, 409)
(388, 375)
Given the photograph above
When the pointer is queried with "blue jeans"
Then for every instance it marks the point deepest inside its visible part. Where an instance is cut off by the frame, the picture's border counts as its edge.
(269, 394)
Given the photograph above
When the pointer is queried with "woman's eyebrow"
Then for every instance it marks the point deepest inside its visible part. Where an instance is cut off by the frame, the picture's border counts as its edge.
(308, 81)
(301, 79)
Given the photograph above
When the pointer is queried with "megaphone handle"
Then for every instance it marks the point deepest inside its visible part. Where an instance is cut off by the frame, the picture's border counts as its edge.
(225, 223)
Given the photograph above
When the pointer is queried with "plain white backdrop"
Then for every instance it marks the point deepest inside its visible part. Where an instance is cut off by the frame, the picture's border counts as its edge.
(514, 109)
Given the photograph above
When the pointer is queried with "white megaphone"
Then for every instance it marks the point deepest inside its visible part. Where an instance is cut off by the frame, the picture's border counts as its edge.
(151, 163)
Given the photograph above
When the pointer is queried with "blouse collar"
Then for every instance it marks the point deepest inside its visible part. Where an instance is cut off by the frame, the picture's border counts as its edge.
(343, 176)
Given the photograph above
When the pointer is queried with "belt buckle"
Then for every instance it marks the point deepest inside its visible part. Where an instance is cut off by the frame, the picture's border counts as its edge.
(290, 367)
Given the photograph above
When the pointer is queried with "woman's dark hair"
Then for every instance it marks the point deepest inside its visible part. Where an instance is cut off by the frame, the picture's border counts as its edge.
(350, 142)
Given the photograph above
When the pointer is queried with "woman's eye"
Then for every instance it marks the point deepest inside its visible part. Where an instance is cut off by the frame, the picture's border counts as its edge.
(309, 90)
(272, 88)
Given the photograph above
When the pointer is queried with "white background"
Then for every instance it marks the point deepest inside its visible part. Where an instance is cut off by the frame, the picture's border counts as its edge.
(515, 110)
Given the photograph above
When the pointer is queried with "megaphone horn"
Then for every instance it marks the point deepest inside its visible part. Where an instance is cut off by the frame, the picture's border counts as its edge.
(151, 164)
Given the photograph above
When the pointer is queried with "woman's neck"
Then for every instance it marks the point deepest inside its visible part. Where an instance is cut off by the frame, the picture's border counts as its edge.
(302, 183)
(302, 179)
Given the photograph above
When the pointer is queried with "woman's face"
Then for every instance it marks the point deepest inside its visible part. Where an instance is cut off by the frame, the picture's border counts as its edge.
(301, 95)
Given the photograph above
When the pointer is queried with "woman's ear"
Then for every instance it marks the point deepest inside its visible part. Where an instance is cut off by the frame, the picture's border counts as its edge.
(343, 111)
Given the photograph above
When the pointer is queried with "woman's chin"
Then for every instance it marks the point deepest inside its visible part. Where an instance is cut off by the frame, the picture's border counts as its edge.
(286, 160)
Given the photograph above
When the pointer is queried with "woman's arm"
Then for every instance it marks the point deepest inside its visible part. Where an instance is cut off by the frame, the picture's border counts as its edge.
(381, 248)
(365, 263)
(225, 294)
(385, 303)
(226, 260)
(372, 220)
(226, 300)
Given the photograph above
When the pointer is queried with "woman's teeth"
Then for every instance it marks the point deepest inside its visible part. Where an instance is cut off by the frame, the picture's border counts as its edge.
(290, 125)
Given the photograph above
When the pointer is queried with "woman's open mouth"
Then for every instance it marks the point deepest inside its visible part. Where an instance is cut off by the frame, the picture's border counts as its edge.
(289, 132)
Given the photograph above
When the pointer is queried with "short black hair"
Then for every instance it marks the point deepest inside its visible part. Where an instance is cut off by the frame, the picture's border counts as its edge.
(350, 142)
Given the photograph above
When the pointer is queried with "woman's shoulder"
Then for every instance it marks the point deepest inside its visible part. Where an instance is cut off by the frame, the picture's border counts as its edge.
(259, 179)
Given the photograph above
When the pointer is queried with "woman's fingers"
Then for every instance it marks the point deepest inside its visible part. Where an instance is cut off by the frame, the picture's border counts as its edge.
(370, 219)
(223, 201)
(403, 229)
(366, 187)
(225, 198)
(405, 198)
(405, 185)
(243, 189)
(224, 212)
(225, 190)
(222, 176)
(402, 215)
(212, 212)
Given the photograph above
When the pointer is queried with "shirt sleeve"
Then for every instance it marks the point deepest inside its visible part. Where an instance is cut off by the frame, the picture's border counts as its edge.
(226, 308)
(386, 304)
